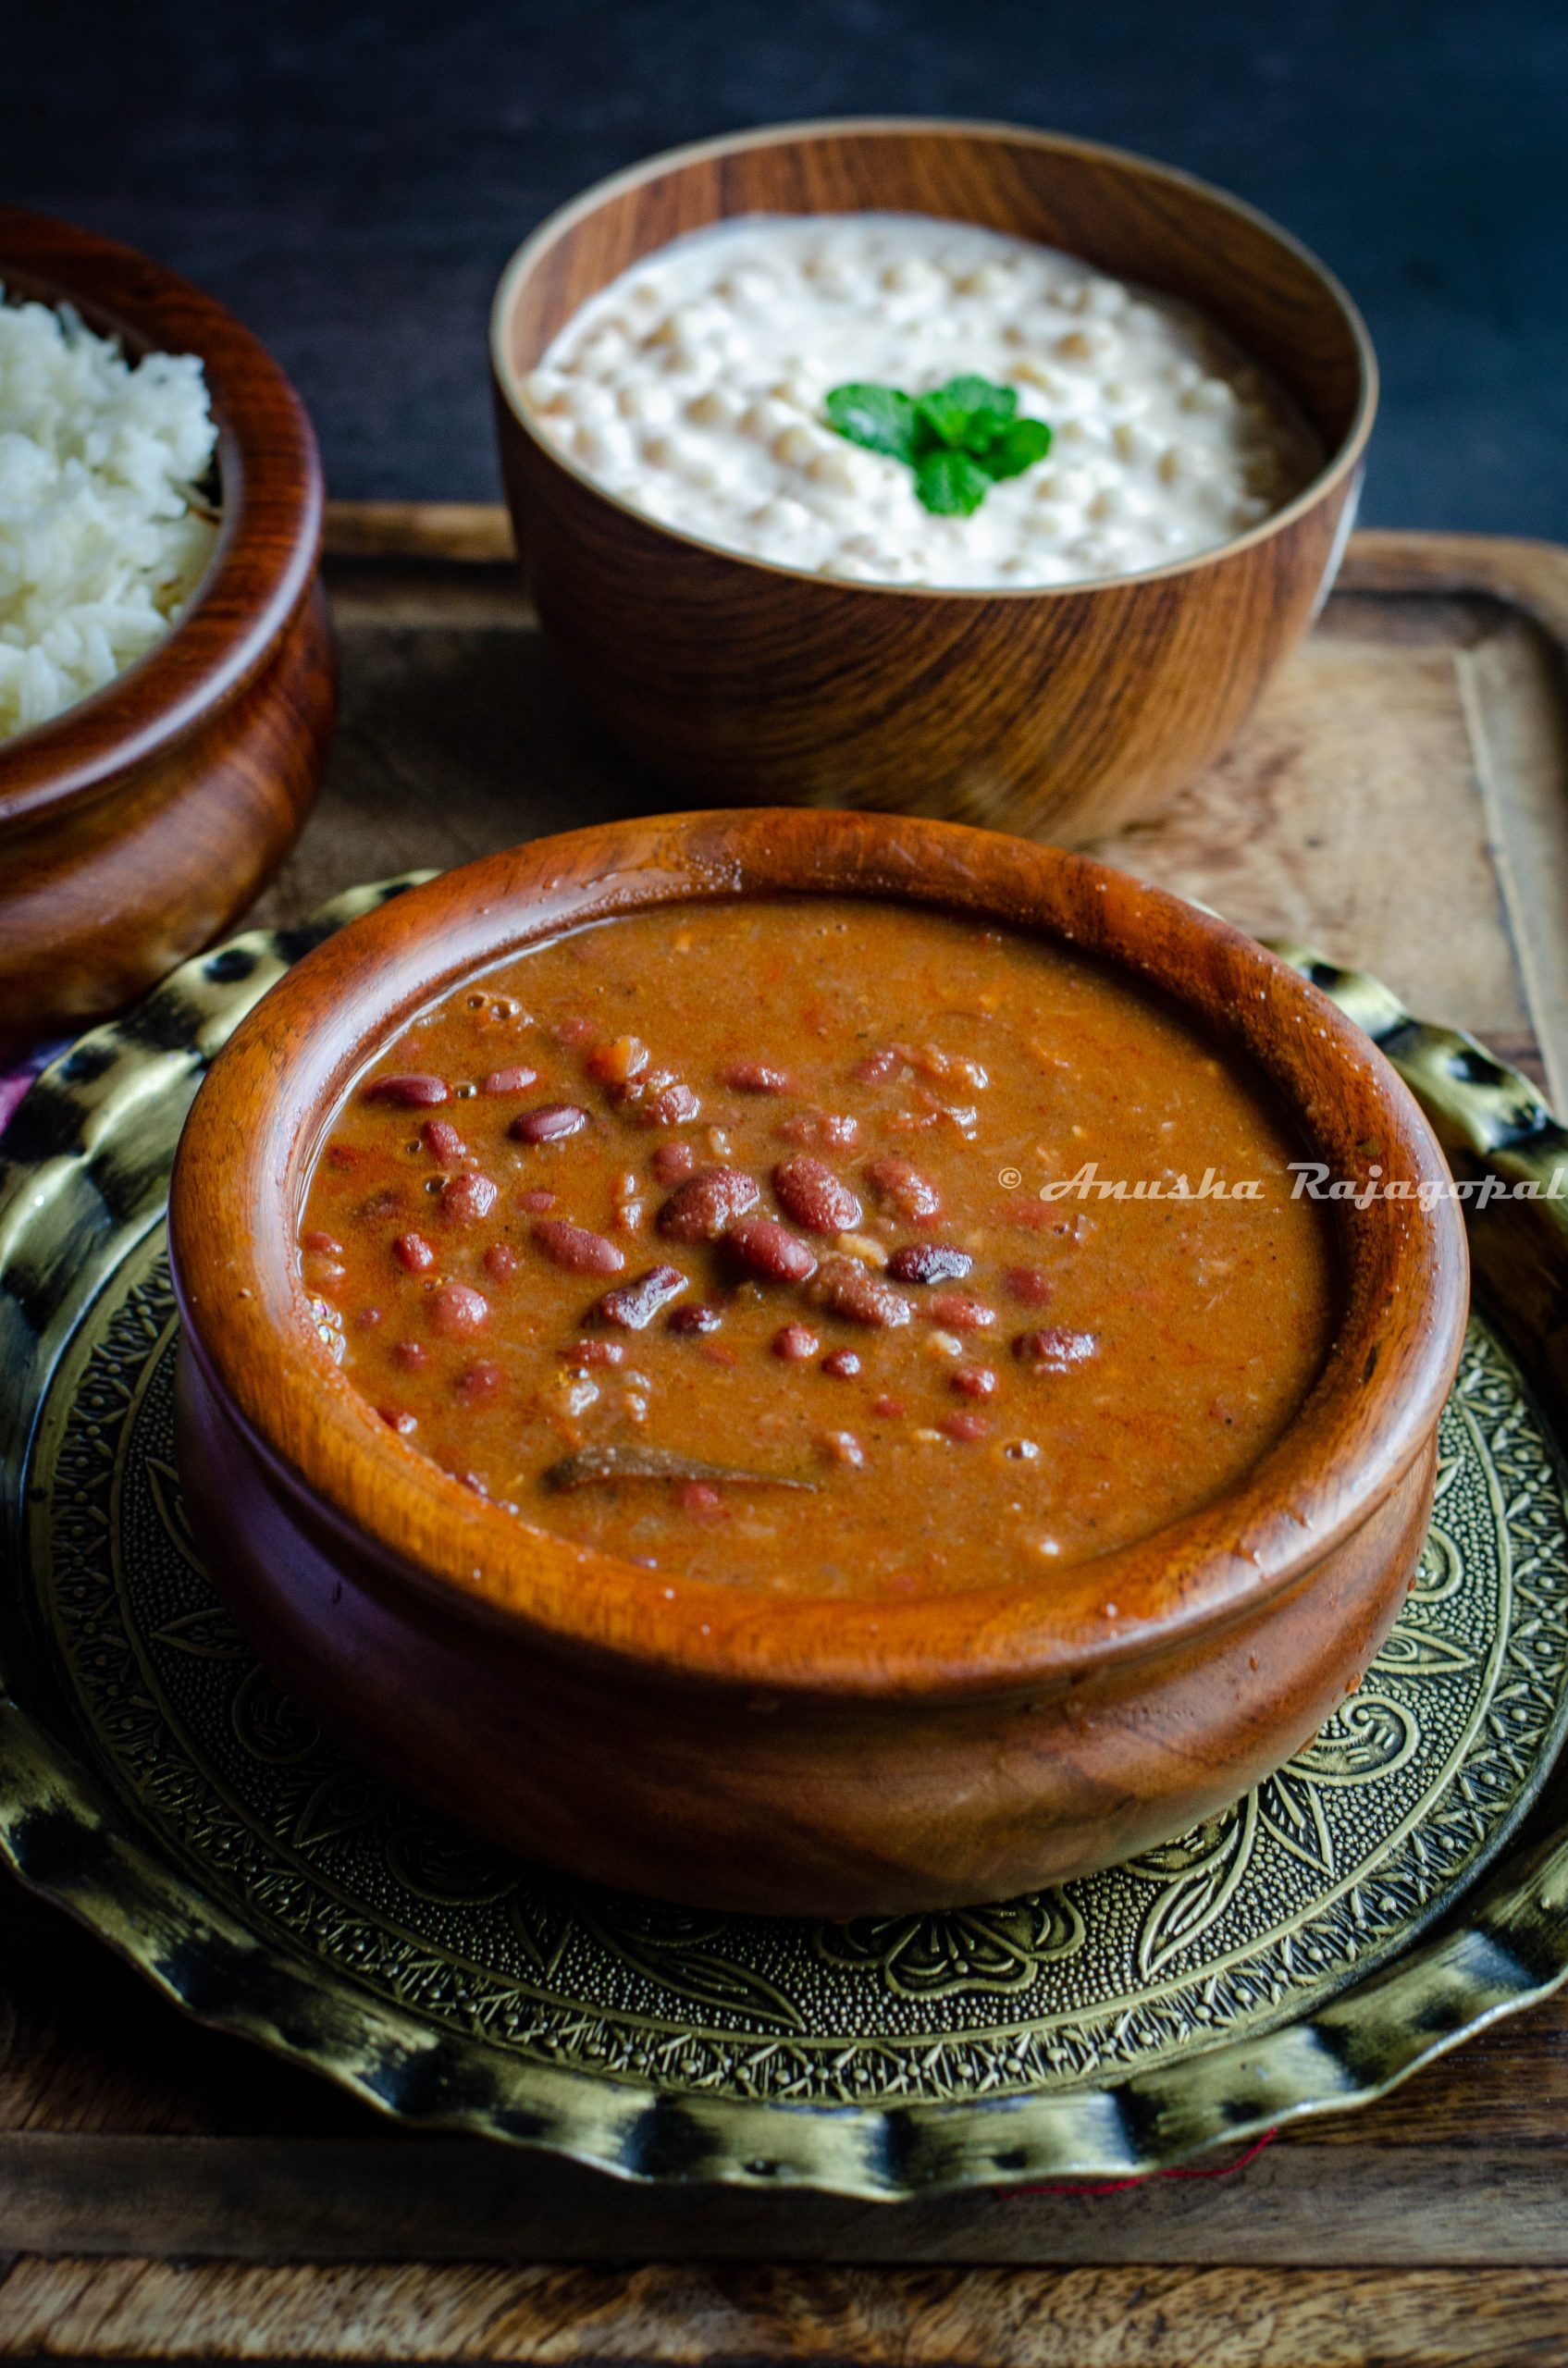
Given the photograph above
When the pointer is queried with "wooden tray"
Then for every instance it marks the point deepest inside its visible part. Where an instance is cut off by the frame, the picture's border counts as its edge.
(1399, 802)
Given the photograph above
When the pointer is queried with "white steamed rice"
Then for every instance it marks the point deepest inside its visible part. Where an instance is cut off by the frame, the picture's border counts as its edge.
(101, 546)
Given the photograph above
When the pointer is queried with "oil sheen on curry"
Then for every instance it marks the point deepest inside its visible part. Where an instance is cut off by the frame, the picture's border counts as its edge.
(717, 1237)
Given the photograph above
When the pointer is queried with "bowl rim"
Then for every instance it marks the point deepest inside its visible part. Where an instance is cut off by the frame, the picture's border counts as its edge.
(256, 1124)
(270, 519)
(1342, 463)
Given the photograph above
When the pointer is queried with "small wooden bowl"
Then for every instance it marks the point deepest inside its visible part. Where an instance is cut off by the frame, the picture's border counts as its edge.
(137, 825)
(742, 1750)
(1061, 713)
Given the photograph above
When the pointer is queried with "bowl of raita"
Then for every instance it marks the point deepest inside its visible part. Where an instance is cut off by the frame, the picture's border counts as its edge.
(940, 467)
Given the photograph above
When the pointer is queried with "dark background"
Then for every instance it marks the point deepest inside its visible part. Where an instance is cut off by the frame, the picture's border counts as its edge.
(351, 177)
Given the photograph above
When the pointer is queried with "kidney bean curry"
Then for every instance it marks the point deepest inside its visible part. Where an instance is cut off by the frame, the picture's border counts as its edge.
(713, 1237)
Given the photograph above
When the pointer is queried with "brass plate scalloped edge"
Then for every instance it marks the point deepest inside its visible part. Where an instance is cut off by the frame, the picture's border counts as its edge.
(61, 1830)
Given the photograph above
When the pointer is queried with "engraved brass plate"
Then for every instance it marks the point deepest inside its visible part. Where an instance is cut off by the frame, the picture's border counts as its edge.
(153, 1776)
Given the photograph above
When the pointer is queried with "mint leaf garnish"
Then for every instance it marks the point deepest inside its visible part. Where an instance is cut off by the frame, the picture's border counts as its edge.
(959, 440)
(1020, 444)
(878, 417)
(951, 484)
(968, 412)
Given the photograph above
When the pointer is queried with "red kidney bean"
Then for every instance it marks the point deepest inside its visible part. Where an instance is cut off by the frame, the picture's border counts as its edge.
(619, 1063)
(660, 1100)
(795, 1343)
(847, 1288)
(321, 1242)
(973, 1381)
(957, 1312)
(822, 1129)
(633, 1306)
(1031, 1285)
(901, 1189)
(409, 1092)
(584, 1354)
(928, 1261)
(478, 1382)
(500, 1260)
(378, 1205)
(414, 1253)
(341, 1155)
(891, 1410)
(698, 1317)
(700, 1499)
(843, 1363)
(367, 1319)
(513, 1080)
(671, 1161)
(411, 1355)
(756, 1076)
(396, 1419)
(441, 1139)
(457, 1311)
(1055, 1349)
(569, 1032)
(551, 1122)
(875, 1068)
(536, 1202)
(964, 1426)
(467, 1198)
(762, 1247)
(814, 1197)
(702, 1208)
(573, 1247)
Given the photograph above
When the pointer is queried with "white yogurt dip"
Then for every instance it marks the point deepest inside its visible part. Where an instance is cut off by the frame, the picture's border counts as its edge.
(693, 388)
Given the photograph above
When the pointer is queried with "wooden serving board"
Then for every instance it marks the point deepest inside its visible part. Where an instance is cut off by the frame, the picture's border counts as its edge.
(1401, 801)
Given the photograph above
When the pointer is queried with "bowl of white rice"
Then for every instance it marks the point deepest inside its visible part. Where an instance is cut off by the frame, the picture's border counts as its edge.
(107, 516)
(166, 668)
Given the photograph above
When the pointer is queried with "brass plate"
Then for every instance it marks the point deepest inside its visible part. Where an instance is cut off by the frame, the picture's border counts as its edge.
(1270, 1962)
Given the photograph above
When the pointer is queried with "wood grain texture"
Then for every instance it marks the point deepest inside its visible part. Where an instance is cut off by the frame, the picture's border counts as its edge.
(141, 823)
(287, 2199)
(678, 2317)
(915, 1753)
(1058, 713)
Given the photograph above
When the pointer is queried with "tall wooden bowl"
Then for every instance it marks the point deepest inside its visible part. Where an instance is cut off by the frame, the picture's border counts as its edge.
(1059, 713)
(136, 826)
(741, 1750)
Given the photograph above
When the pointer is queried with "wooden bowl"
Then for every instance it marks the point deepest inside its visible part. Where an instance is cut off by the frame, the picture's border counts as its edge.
(1061, 713)
(743, 1750)
(138, 824)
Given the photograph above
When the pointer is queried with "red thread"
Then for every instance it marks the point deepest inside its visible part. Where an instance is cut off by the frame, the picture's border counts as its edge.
(12, 1088)
(1119, 2187)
